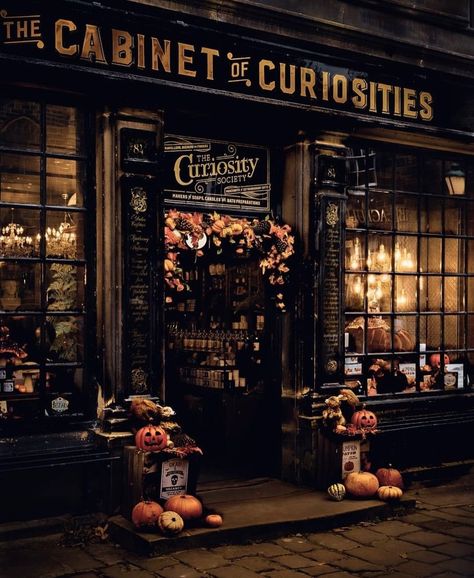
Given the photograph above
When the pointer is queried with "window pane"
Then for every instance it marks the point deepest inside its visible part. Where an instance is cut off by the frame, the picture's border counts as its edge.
(354, 330)
(430, 215)
(379, 338)
(66, 341)
(65, 182)
(21, 338)
(470, 293)
(65, 235)
(454, 255)
(454, 331)
(355, 252)
(469, 188)
(404, 338)
(384, 170)
(64, 130)
(406, 172)
(379, 292)
(20, 228)
(433, 176)
(454, 294)
(65, 287)
(405, 293)
(20, 285)
(470, 333)
(380, 210)
(355, 212)
(454, 216)
(430, 293)
(430, 331)
(355, 292)
(430, 254)
(406, 213)
(379, 257)
(405, 254)
(19, 178)
(19, 124)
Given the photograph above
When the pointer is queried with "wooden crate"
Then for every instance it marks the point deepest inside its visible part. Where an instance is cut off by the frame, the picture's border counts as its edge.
(142, 476)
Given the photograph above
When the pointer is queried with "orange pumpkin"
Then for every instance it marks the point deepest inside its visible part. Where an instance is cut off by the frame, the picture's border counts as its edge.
(145, 514)
(364, 419)
(151, 438)
(213, 520)
(390, 477)
(435, 360)
(389, 493)
(403, 341)
(361, 484)
(187, 506)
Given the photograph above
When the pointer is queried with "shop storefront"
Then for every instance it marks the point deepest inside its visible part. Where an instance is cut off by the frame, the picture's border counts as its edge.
(236, 223)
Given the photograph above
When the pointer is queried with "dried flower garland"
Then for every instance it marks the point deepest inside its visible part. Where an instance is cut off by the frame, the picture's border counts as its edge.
(196, 231)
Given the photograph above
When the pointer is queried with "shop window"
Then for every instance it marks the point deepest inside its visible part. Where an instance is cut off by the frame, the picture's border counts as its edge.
(409, 274)
(43, 267)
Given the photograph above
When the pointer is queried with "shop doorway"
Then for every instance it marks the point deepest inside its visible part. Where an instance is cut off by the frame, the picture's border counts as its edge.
(220, 361)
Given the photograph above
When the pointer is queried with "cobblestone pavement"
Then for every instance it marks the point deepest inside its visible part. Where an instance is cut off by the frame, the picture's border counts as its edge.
(435, 541)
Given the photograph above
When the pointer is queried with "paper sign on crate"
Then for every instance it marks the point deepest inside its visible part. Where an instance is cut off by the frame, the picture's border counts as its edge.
(350, 457)
(174, 478)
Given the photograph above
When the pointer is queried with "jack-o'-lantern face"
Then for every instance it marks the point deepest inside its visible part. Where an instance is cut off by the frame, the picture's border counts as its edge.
(151, 438)
(364, 419)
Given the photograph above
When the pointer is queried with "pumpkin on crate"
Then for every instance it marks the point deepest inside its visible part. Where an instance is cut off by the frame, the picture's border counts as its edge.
(337, 492)
(170, 523)
(364, 419)
(389, 493)
(146, 513)
(361, 484)
(187, 506)
(151, 438)
(390, 477)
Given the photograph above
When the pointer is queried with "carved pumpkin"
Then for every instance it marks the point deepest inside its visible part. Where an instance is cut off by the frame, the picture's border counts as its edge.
(390, 477)
(187, 506)
(389, 493)
(337, 492)
(361, 484)
(364, 419)
(213, 520)
(151, 438)
(435, 360)
(170, 523)
(145, 514)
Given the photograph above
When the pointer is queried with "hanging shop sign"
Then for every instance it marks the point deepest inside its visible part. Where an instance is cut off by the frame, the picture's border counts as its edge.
(216, 175)
(181, 54)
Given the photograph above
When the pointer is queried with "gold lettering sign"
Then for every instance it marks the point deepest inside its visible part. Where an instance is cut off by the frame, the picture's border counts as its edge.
(164, 56)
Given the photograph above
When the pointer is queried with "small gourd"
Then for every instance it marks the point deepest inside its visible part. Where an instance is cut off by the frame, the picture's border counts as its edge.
(213, 520)
(170, 523)
(337, 492)
(389, 493)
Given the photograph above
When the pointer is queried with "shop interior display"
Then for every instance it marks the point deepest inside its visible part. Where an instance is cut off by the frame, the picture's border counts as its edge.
(224, 275)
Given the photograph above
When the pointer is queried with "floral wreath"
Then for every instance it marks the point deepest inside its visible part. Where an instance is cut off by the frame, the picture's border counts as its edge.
(196, 231)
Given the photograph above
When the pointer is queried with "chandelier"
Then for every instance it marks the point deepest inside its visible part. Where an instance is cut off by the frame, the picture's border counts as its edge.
(13, 241)
(61, 241)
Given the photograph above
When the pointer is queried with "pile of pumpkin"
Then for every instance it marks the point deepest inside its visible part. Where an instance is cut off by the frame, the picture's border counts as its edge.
(387, 484)
(178, 511)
